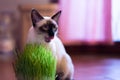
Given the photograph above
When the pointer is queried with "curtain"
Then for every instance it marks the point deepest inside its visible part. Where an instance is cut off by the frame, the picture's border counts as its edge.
(86, 21)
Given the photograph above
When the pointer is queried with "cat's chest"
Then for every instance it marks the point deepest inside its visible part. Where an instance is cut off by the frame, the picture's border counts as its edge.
(52, 47)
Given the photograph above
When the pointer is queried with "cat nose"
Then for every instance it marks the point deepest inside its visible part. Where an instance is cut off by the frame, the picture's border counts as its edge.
(51, 34)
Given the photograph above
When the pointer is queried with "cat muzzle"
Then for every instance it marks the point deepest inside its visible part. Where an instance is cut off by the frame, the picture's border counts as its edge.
(48, 39)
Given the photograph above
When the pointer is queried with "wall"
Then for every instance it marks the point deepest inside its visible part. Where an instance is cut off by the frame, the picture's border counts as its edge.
(12, 5)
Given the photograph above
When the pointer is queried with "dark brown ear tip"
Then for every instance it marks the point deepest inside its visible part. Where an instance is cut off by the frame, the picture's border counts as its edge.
(33, 10)
(60, 11)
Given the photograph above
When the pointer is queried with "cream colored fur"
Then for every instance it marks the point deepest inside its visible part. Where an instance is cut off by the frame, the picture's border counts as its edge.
(64, 62)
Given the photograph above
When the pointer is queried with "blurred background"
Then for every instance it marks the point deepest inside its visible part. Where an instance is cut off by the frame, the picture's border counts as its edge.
(83, 22)
(86, 27)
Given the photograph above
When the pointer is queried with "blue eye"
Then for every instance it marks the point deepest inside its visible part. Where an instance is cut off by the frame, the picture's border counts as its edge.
(45, 27)
(55, 29)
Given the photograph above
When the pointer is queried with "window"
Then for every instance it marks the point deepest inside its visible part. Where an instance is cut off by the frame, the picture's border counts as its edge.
(116, 20)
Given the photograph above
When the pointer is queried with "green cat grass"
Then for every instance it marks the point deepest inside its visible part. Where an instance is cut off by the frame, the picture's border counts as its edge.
(35, 63)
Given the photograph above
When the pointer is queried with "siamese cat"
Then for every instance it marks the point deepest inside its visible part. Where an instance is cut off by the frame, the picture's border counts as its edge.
(44, 31)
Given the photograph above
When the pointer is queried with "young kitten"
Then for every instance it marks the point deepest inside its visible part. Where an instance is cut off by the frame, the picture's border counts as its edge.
(44, 31)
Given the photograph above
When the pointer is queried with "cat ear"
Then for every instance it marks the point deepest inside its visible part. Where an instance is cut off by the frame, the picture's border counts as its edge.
(56, 16)
(35, 16)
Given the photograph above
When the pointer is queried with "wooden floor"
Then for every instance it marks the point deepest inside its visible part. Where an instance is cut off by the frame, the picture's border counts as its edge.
(88, 67)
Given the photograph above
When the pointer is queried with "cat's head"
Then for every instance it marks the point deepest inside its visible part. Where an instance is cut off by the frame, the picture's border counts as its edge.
(45, 26)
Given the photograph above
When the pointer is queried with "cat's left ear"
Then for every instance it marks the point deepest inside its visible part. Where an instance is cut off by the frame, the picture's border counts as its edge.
(56, 16)
(35, 16)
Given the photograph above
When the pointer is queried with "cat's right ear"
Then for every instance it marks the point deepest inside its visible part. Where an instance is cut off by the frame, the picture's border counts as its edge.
(35, 16)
